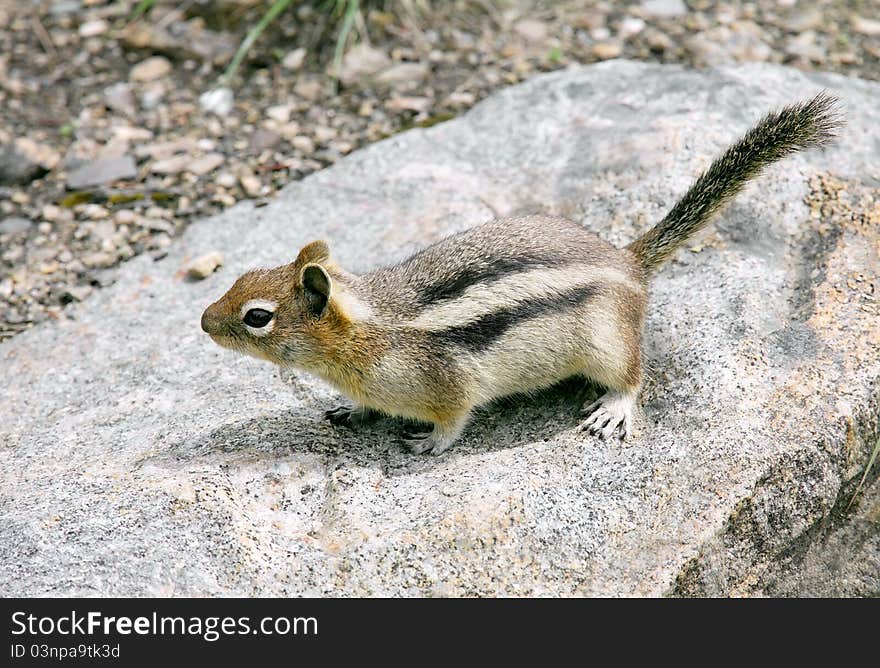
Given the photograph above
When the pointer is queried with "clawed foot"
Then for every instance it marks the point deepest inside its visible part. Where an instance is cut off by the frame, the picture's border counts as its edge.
(419, 440)
(347, 416)
(612, 413)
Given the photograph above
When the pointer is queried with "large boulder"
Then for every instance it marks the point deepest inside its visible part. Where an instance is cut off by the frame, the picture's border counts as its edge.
(138, 458)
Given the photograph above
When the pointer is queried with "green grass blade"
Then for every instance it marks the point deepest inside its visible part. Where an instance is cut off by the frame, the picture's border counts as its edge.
(140, 9)
(865, 474)
(253, 34)
(351, 11)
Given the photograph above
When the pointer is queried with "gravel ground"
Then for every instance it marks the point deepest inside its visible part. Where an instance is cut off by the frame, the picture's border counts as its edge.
(109, 145)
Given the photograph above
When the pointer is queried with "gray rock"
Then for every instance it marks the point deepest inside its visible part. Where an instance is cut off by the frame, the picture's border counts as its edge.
(42, 154)
(60, 7)
(118, 97)
(304, 144)
(806, 19)
(308, 89)
(218, 101)
(153, 94)
(804, 46)
(870, 27)
(99, 259)
(361, 62)
(403, 75)
(14, 225)
(225, 179)
(630, 26)
(159, 225)
(128, 433)
(103, 230)
(263, 139)
(93, 28)
(293, 60)
(205, 163)
(16, 168)
(251, 185)
(173, 165)
(663, 9)
(150, 69)
(102, 171)
(180, 39)
(722, 45)
(531, 30)
(14, 316)
(842, 559)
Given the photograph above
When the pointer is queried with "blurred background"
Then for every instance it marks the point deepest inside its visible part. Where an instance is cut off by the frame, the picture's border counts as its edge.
(121, 122)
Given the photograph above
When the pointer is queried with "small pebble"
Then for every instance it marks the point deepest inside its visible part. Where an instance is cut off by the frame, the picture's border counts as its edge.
(218, 101)
(150, 69)
(204, 266)
(280, 113)
(607, 50)
(303, 144)
(531, 30)
(14, 225)
(870, 27)
(51, 212)
(294, 60)
(206, 163)
(251, 185)
(125, 217)
(225, 180)
(664, 8)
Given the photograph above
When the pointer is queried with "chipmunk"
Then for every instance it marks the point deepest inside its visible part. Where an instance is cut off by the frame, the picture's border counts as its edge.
(508, 307)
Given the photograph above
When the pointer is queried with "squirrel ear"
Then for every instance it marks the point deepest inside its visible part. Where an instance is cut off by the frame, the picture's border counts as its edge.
(315, 252)
(317, 285)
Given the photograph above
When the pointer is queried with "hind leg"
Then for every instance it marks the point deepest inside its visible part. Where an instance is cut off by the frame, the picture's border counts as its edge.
(611, 413)
(618, 366)
(612, 357)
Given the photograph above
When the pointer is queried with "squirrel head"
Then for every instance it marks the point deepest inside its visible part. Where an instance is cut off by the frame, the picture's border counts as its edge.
(289, 315)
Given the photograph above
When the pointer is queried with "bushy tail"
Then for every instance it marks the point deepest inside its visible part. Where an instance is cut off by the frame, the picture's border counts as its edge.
(796, 127)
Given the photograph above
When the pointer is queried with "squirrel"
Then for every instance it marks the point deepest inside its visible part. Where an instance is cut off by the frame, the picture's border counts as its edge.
(507, 307)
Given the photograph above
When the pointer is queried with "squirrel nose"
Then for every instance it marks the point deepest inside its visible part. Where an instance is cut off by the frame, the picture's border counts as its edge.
(206, 320)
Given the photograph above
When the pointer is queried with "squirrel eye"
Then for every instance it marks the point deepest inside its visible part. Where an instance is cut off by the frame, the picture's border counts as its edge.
(258, 317)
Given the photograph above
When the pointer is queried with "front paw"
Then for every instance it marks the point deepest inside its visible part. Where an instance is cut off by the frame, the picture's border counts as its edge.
(340, 416)
(347, 416)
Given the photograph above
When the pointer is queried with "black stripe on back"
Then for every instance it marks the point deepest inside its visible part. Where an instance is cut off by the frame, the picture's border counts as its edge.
(481, 333)
(495, 269)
